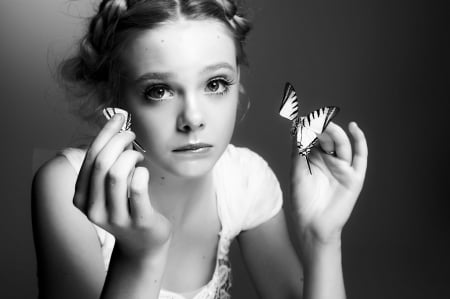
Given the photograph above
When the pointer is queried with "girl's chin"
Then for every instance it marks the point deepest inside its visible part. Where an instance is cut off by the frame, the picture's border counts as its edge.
(182, 169)
(191, 170)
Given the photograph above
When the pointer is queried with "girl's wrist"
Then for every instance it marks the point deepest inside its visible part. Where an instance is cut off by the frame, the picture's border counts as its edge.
(316, 235)
(314, 245)
(316, 251)
(151, 257)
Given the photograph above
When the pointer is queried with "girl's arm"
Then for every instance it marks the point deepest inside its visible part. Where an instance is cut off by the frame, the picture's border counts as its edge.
(69, 256)
(276, 270)
(273, 264)
(70, 262)
(322, 204)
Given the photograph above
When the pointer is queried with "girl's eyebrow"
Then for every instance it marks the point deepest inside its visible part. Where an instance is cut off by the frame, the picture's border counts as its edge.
(153, 75)
(221, 65)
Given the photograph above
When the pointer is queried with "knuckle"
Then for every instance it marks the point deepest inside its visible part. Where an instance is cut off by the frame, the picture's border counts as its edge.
(116, 221)
(136, 190)
(115, 176)
(101, 164)
(128, 134)
(91, 154)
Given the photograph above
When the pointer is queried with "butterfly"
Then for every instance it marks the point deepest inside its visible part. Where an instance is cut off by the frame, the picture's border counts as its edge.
(109, 112)
(305, 128)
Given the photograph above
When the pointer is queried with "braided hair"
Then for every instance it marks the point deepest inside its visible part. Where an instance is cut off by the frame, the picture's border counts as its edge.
(92, 74)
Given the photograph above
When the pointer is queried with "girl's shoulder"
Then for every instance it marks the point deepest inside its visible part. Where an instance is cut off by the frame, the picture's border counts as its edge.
(242, 157)
(57, 174)
(249, 190)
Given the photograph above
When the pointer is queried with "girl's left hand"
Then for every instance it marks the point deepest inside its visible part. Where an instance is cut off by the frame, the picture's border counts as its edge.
(323, 201)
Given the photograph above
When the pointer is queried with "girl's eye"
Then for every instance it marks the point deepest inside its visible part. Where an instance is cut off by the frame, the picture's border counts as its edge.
(158, 93)
(218, 86)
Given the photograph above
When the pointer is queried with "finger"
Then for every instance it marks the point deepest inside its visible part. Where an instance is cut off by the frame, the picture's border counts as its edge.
(141, 209)
(326, 143)
(360, 145)
(342, 146)
(96, 203)
(82, 185)
(117, 186)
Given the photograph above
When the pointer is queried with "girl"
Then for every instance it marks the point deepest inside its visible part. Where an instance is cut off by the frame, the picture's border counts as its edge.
(112, 222)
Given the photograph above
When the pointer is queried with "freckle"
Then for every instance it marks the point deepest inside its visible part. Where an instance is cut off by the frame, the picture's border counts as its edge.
(163, 178)
(162, 41)
(155, 281)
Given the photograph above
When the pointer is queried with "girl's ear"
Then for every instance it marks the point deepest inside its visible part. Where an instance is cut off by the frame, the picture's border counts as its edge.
(241, 87)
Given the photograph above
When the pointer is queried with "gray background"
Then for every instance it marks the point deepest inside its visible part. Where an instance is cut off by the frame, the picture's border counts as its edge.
(385, 63)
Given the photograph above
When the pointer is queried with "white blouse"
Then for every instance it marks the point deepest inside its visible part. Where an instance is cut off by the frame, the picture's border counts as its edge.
(248, 194)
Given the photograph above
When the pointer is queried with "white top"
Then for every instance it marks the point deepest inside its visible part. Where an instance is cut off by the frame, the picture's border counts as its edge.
(248, 194)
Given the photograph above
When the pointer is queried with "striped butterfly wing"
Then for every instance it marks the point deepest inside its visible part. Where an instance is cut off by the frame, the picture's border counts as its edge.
(289, 104)
(310, 127)
(318, 120)
(306, 139)
(109, 112)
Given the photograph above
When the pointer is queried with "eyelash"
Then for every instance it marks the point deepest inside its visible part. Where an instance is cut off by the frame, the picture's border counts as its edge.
(225, 83)
(154, 87)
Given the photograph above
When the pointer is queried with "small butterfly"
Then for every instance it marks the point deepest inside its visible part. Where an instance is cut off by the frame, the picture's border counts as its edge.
(109, 112)
(305, 128)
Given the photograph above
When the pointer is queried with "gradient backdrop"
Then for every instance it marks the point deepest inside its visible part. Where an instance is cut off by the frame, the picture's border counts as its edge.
(385, 63)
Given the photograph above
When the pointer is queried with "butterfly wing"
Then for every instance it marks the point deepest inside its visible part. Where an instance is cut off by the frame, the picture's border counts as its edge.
(306, 139)
(312, 125)
(318, 120)
(109, 112)
(289, 105)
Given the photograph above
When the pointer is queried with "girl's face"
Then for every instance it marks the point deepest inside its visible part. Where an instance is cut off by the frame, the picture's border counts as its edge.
(181, 87)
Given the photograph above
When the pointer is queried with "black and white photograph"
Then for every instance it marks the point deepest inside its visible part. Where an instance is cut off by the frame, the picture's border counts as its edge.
(218, 149)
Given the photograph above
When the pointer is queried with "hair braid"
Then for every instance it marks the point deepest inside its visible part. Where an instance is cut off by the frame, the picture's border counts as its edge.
(101, 31)
(240, 24)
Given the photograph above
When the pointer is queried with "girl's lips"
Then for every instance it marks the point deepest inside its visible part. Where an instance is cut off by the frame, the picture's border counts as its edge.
(193, 147)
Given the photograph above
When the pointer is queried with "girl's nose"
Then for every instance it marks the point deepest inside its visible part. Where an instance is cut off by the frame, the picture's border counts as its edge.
(191, 117)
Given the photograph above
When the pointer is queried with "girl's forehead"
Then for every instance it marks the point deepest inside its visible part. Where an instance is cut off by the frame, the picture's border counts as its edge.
(179, 45)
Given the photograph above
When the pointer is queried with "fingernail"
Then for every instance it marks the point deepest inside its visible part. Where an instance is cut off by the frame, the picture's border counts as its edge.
(118, 117)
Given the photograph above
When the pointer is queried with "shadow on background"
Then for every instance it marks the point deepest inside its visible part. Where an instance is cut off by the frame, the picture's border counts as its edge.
(385, 63)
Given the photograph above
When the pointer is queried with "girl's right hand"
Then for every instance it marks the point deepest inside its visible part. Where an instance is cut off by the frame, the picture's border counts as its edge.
(113, 193)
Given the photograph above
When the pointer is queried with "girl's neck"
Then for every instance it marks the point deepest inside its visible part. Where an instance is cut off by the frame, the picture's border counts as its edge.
(177, 198)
